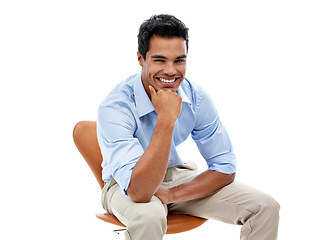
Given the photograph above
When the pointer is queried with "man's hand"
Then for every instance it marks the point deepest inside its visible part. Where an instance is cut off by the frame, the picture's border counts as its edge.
(167, 104)
(164, 194)
(205, 183)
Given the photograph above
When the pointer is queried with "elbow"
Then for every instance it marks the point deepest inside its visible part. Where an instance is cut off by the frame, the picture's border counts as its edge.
(230, 178)
(138, 196)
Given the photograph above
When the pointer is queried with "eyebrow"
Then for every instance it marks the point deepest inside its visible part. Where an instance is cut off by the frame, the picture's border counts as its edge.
(182, 56)
(163, 57)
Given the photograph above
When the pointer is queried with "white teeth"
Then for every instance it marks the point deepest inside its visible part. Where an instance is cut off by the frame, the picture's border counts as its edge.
(167, 81)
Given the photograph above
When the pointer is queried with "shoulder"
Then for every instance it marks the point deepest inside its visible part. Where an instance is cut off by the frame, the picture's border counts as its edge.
(119, 104)
(194, 91)
(122, 95)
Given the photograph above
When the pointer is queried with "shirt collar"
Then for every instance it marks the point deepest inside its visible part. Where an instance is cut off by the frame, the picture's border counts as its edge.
(142, 100)
(183, 95)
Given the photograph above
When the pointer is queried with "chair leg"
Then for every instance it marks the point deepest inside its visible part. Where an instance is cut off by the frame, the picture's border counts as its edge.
(117, 231)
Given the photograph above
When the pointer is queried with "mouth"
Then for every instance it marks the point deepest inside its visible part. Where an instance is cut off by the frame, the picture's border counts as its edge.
(168, 80)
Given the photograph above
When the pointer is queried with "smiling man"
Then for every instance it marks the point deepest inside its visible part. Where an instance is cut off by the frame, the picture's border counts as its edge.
(164, 65)
(140, 124)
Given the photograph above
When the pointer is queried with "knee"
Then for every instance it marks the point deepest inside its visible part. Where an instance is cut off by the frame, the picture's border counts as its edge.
(155, 214)
(271, 204)
(151, 216)
(147, 221)
(268, 204)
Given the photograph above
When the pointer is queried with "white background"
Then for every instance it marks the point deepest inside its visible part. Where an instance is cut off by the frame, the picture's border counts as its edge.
(260, 61)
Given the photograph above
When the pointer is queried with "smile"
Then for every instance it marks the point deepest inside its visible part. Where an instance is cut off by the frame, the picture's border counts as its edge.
(167, 81)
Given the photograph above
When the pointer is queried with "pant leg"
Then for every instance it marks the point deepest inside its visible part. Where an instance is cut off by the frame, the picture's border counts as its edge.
(257, 212)
(144, 221)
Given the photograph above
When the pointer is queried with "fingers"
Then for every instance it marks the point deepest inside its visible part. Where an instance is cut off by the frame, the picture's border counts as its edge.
(153, 92)
(166, 103)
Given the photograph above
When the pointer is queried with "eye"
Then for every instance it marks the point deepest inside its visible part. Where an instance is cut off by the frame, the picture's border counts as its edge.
(158, 60)
(180, 61)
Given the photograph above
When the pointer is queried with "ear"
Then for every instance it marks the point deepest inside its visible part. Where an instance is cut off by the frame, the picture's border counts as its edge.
(140, 59)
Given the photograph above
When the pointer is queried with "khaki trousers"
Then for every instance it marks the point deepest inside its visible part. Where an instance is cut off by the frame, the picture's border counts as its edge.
(236, 203)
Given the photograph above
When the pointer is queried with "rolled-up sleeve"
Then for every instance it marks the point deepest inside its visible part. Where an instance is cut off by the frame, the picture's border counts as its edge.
(119, 148)
(212, 138)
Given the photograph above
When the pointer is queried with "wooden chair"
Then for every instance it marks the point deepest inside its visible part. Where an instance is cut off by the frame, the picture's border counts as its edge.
(85, 138)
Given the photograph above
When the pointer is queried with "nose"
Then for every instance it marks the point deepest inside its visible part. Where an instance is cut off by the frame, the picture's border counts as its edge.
(170, 69)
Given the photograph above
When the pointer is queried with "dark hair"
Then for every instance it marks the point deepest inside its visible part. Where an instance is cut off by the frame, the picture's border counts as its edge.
(162, 25)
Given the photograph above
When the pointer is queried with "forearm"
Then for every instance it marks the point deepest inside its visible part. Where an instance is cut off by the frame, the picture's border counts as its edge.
(203, 185)
(150, 170)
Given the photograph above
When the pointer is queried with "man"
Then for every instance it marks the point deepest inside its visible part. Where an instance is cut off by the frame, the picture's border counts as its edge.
(139, 125)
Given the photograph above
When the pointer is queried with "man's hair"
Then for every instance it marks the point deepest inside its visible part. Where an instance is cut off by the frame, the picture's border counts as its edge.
(162, 25)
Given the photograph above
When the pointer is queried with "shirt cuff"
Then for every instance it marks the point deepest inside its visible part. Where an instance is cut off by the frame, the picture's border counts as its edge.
(224, 164)
(123, 177)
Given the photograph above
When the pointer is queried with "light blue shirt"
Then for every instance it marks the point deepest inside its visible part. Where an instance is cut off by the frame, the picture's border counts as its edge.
(126, 121)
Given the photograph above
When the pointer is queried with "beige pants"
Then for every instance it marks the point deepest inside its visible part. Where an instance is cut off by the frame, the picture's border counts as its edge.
(257, 212)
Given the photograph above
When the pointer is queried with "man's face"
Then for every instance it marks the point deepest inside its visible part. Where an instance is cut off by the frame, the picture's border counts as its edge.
(165, 63)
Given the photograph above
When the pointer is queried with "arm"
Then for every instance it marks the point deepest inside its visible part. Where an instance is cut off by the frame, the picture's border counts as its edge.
(214, 145)
(204, 184)
(150, 170)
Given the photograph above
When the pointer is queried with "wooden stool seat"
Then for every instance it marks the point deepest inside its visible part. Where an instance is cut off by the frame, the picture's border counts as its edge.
(175, 224)
(85, 139)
